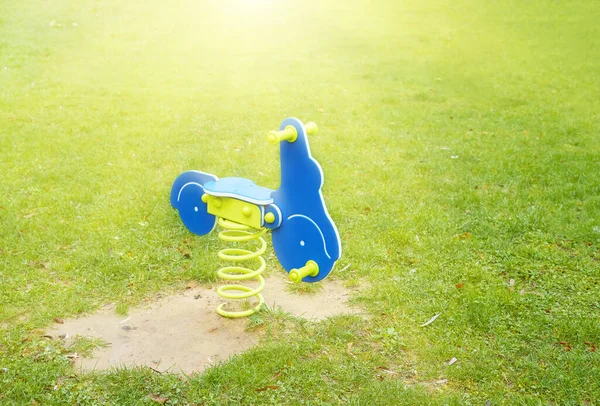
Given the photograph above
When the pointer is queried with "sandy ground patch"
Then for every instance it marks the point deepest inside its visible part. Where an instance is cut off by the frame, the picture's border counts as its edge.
(183, 333)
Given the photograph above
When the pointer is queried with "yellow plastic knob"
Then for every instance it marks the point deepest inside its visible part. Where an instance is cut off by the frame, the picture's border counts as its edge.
(217, 202)
(269, 218)
(246, 211)
(311, 128)
(204, 198)
(272, 138)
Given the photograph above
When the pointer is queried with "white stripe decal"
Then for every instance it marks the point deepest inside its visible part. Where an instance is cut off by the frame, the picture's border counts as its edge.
(183, 187)
(280, 215)
(320, 232)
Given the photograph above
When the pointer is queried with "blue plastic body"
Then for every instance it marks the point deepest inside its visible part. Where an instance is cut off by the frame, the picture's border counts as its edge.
(302, 230)
(186, 196)
(307, 232)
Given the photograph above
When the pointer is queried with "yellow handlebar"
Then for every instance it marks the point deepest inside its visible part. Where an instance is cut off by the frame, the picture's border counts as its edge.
(290, 134)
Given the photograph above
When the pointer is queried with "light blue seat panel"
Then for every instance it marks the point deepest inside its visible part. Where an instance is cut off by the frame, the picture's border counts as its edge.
(239, 188)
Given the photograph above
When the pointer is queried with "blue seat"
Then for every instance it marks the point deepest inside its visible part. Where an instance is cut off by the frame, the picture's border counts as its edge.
(239, 188)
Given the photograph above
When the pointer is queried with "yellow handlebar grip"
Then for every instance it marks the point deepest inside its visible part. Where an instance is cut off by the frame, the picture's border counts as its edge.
(311, 128)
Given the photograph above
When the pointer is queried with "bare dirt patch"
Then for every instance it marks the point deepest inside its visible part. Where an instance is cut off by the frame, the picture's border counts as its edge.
(183, 333)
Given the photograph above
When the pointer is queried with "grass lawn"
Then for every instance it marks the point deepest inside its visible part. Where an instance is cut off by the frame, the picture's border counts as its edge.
(461, 150)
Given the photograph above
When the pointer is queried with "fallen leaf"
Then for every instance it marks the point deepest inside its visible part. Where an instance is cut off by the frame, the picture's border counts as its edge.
(59, 320)
(460, 285)
(158, 399)
(387, 370)
(277, 375)
(431, 320)
(30, 215)
(566, 345)
(349, 348)
(264, 388)
(441, 381)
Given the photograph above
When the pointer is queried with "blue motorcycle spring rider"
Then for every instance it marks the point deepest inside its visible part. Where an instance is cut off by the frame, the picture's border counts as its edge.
(305, 239)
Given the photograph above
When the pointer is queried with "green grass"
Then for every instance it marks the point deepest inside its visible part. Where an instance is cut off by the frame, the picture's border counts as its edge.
(459, 141)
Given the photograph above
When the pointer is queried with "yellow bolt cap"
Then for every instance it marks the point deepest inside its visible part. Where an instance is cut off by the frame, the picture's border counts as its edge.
(269, 218)
(246, 211)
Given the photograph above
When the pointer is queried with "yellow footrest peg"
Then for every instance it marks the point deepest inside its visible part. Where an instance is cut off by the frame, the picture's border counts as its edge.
(310, 269)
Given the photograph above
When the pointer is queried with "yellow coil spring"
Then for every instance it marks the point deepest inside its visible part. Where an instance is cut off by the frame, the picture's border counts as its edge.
(235, 232)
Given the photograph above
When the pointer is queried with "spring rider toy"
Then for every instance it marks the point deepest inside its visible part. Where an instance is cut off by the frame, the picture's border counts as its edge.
(305, 239)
